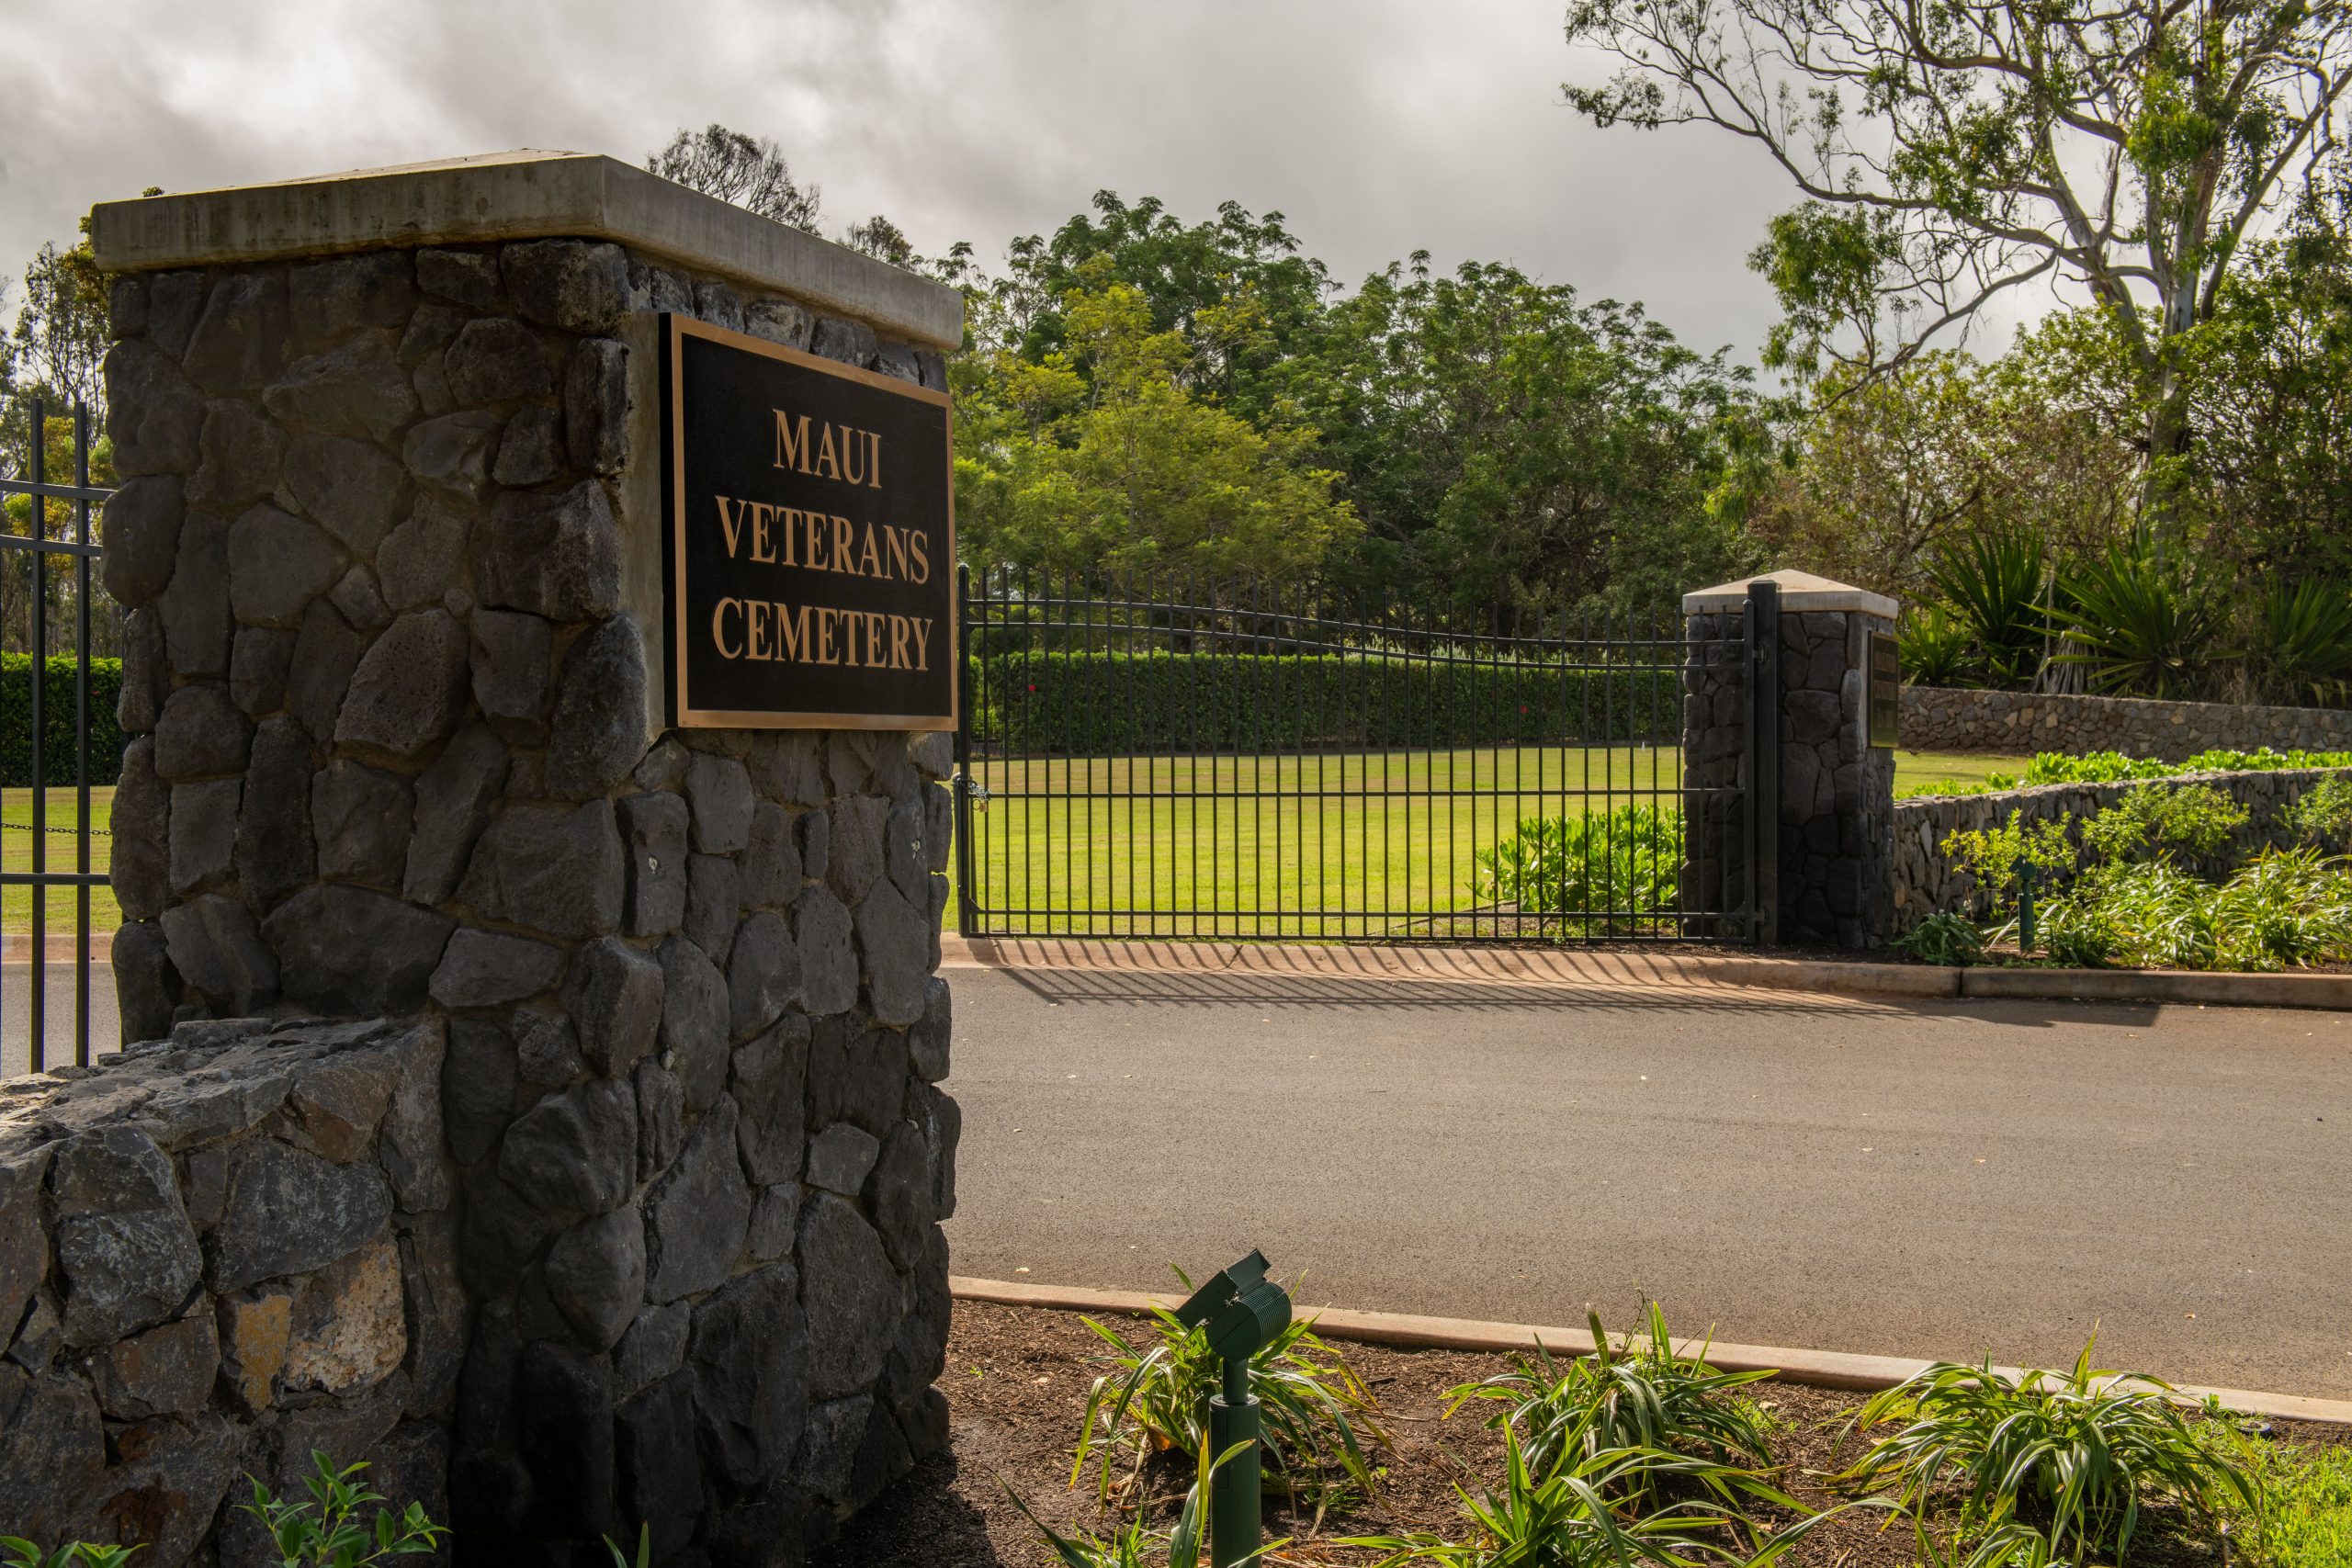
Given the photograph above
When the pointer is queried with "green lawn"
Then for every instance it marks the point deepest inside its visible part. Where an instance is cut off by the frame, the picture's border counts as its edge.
(1370, 833)
(1381, 839)
(16, 838)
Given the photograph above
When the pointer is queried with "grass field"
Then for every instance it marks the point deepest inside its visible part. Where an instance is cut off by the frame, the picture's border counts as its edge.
(1381, 841)
(16, 838)
(1368, 832)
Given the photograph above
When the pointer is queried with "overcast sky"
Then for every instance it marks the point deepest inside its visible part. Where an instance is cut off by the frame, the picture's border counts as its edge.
(1378, 126)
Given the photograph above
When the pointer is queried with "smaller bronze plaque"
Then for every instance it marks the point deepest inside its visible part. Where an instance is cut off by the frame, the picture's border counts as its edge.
(1886, 690)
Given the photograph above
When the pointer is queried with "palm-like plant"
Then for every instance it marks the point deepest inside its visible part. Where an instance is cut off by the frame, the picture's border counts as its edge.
(1935, 646)
(1996, 582)
(2137, 625)
(2306, 647)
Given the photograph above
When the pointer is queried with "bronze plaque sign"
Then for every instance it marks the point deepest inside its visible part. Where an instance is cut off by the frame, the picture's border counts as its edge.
(810, 572)
(1886, 690)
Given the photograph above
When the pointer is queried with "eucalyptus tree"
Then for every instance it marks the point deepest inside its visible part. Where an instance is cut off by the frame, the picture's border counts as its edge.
(1952, 150)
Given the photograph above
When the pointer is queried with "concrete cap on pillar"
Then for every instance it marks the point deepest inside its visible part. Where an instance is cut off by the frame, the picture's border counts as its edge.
(524, 194)
(1800, 590)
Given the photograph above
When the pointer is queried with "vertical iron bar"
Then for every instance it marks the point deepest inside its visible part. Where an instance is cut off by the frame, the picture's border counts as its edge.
(1764, 725)
(967, 903)
(37, 971)
(82, 739)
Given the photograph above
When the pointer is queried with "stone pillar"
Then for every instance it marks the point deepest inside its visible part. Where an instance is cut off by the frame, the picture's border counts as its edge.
(1836, 805)
(391, 541)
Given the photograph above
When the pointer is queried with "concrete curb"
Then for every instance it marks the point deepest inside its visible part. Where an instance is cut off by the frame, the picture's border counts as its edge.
(1814, 1368)
(1621, 970)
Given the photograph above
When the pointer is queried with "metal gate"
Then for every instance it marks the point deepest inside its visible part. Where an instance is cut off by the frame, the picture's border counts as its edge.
(49, 941)
(1146, 759)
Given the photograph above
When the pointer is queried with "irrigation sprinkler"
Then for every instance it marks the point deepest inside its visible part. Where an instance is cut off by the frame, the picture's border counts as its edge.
(1242, 1312)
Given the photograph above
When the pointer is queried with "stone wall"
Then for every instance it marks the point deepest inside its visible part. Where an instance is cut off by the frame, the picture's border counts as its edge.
(389, 538)
(1927, 881)
(1835, 788)
(219, 1252)
(2021, 723)
(1715, 772)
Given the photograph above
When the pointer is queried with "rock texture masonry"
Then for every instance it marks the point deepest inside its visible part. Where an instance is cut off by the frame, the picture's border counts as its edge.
(2020, 723)
(385, 536)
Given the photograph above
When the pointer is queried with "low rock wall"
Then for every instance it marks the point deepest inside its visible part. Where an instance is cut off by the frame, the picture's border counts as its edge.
(2019, 723)
(1929, 880)
(219, 1252)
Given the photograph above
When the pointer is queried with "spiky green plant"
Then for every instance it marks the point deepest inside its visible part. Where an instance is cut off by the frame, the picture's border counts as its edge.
(1946, 937)
(1315, 1413)
(1570, 1515)
(2139, 626)
(1935, 646)
(2305, 647)
(1996, 582)
(16, 1551)
(1638, 1394)
(2073, 1457)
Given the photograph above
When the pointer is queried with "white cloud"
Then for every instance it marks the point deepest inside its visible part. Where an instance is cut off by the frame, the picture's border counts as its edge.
(1378, 127)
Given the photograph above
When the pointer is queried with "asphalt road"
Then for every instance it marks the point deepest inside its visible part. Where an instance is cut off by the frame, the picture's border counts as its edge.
(1935, 1180)
(16, 1022)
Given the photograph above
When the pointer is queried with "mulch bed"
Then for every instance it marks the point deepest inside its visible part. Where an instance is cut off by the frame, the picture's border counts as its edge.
(1017, 1384)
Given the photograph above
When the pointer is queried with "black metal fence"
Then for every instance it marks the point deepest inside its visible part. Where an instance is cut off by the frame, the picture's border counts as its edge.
(1164, 759)
(58, 546)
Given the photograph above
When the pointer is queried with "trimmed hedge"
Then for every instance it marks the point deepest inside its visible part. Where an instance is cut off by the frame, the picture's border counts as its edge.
(1119, 703)
(57, 720)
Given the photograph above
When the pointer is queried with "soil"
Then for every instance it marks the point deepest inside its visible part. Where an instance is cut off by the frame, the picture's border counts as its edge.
(1017, 1380)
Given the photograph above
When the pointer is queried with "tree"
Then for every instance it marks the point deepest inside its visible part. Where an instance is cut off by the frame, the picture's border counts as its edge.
(1950, 152)
(1101, 457)
(749, 171)
(1516, 452)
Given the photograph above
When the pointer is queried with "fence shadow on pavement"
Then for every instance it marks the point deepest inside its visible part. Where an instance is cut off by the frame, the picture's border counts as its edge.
(1207, 989)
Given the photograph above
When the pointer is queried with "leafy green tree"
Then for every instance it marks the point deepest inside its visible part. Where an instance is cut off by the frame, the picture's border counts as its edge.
(1949, 154)
(1520, 452)
(1101, 457)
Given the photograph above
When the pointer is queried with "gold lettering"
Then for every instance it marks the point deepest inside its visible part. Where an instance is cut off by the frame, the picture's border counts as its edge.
(787, 517)
(816, 522)
(792, 632)
(730, 522)
(869, 561)
(893, 539)
(852, 455)
(921, 546)
(874, 473)
(826, 652)
(897, 642)
(719, 630)
(922, 644)
(826, 457)
(759, 612)
(761, 550)
(844, 546)
(792, 441)
(874, 622)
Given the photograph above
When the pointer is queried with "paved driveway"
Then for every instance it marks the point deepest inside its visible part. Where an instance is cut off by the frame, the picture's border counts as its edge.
(1921, 1179)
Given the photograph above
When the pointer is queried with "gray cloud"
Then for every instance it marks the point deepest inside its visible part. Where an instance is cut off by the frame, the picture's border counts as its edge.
(1378, 127)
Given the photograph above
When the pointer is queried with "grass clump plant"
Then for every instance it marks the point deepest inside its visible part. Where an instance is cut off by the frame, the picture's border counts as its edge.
(2044, 1467)
(1945, 937)
(1317, 1417)
(1135, 1544)
(1641, 1395)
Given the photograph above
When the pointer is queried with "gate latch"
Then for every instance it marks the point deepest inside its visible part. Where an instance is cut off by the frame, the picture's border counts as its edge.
(974, 790)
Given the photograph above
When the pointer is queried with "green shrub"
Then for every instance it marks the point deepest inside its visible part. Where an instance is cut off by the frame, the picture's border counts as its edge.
(2306, 639)
(2062, 1464)
(1097, 704)
(1991, 854)
(1994, 582)
(1628, 860)
(57, 720)
(1636, 1396)
(2321, 819)
(2159, 821)
(333, 1530)
(2286, 908)
(2111, 767)
(16, 1551)
(1136, 1544)
(2305, 1520)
